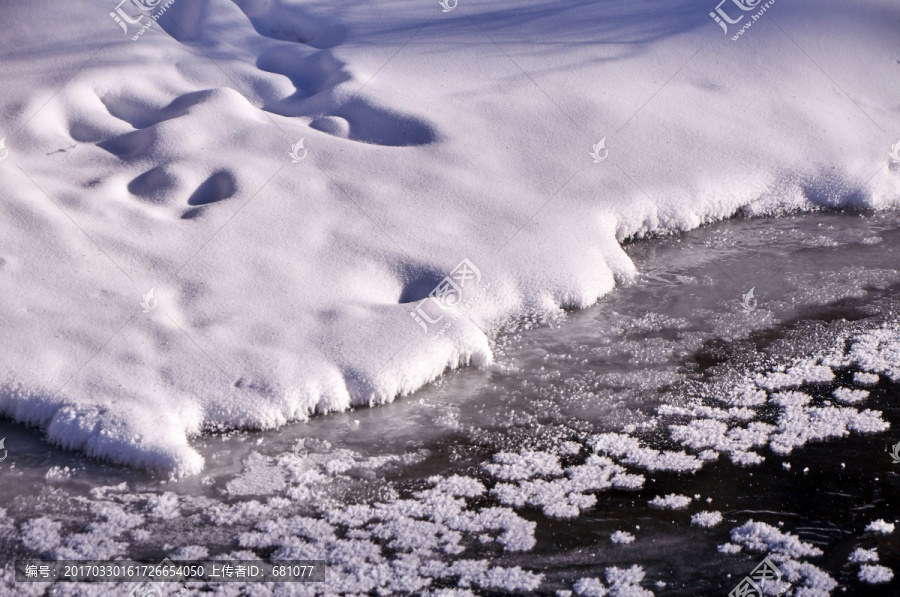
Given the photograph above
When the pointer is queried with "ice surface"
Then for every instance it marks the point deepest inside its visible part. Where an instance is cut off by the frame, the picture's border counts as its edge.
(285, 289)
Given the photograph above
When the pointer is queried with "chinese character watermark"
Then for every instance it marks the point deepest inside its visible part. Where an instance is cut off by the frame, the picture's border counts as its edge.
(447, 298)
(720, 16)
(751, 586)
(147, 588)
(145, 11)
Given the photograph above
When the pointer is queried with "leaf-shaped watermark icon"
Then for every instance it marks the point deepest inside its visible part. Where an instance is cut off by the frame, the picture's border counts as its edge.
(149, 302)
(895, 153)
(895, 454)
(296, 148)
(748, 301)
(599, 151)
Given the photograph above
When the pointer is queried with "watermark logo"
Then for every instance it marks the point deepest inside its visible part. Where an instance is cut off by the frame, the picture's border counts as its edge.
(597, 149)
(295, 151)
(748, 301)
(3, 447)
(145, 10)
(724, 19)
(147, 589)
(149, 302)
(124, 19)
(895, 455)
(448, 5)
(750, 586)
(895, 153)
(300, 451)
(447, 298)
(4, 152)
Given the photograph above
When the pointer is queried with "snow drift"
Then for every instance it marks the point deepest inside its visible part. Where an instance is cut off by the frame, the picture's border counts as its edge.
(162, 151)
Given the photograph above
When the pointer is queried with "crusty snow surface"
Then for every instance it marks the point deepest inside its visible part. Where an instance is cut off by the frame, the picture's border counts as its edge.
(483, 529)
(283, 287)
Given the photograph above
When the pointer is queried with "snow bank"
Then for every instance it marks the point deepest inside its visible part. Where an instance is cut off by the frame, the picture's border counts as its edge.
(440, 152)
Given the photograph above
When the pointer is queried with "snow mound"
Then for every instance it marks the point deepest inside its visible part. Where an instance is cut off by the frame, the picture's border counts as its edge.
(248, 213)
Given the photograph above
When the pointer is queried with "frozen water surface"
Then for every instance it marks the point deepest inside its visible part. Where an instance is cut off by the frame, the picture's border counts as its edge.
(699, 427)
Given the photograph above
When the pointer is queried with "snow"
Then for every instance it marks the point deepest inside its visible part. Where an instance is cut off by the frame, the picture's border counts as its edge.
(622, 537)
(730, 548)
(625, 582)
(878, 351)
(514, 467)
(850, 396)
(671, 501)
(785, 550)
(559, 497)
(632, 452)
(863, 555)
(875, 574)
(590, 587)
(865, 379)
(622, 582)
(285, 288)
(40, 534)
(706, 519)
(803, 372)
(538, 479)
(759, 536)
(880, 526)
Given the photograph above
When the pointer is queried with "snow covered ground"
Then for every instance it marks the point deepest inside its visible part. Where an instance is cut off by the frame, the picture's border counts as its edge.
(287, 278)
(662, 442)
(221, 216)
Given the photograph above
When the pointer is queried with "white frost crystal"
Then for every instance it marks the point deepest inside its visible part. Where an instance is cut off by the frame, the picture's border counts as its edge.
(706, 519)
(875, 574)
